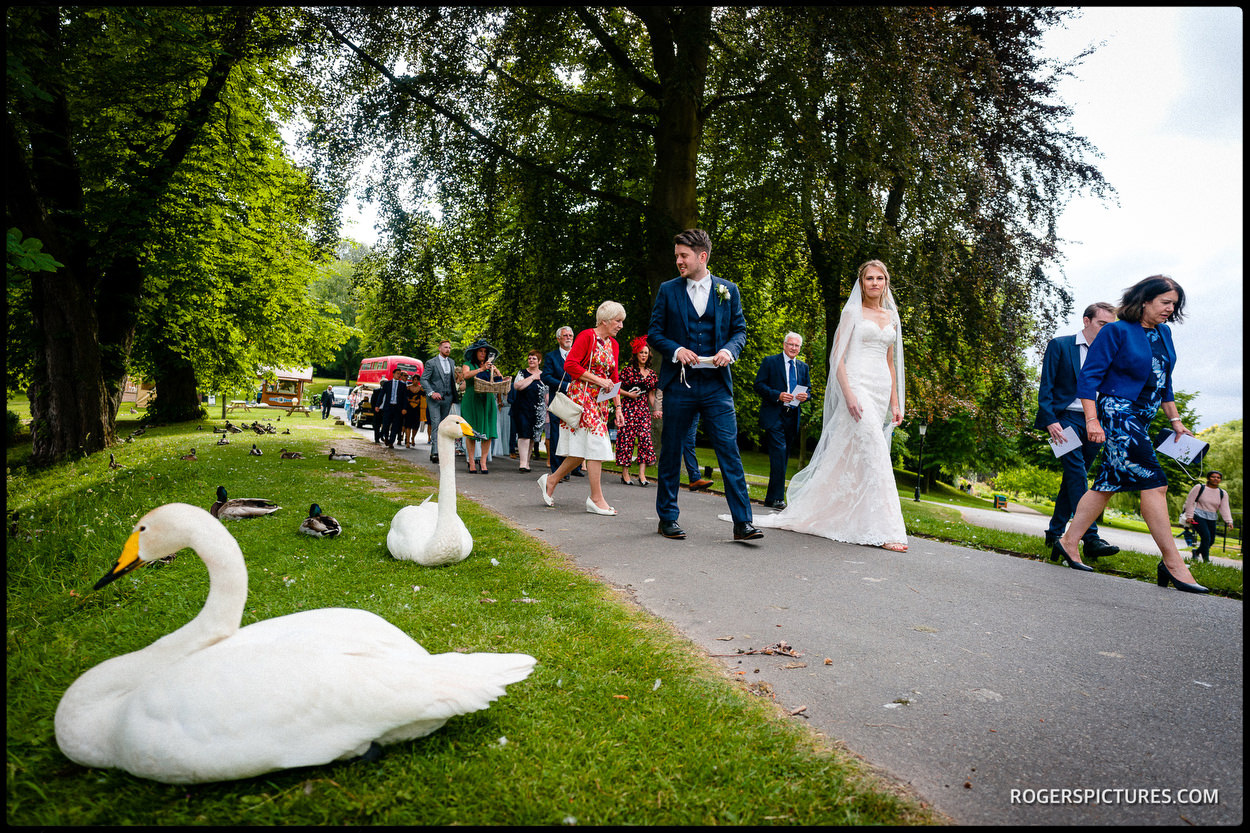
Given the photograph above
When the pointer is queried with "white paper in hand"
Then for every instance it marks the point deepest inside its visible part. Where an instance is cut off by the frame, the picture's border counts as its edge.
(1183, 450)
(1069, 442)
(605, 395)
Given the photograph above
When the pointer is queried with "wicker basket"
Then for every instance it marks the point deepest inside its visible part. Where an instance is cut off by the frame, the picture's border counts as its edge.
(499, 384)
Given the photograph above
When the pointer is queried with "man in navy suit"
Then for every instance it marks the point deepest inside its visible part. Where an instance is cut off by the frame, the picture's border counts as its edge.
(697, 330)
(780, 405)
(553, 376)
(1057, 408)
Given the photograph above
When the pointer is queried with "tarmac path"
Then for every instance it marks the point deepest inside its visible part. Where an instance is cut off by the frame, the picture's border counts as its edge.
(989, 684)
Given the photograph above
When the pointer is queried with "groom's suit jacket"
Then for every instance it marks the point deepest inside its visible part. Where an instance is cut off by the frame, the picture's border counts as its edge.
(771, 381)
(672, 317)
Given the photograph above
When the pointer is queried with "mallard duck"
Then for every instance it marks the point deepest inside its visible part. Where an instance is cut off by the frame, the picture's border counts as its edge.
(233, 429)
(287, 431)
(190, 456)
(344, 457)
(113, 464)
(223, 440)
(290, 455)
(243, 507)
(432, 533)
(215, 702)
(217, 430)
(255, 452)
(319, 525)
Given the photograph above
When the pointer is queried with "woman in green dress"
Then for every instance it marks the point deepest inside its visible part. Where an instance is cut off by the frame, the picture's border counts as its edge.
(480, 410)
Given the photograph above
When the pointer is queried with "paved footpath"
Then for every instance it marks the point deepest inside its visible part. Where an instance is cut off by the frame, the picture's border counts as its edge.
(968, 675)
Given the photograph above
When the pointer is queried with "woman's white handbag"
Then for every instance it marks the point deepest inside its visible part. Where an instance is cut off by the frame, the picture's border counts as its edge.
(567, 410)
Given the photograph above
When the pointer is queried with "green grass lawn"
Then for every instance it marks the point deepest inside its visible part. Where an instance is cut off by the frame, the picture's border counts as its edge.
(622, 722)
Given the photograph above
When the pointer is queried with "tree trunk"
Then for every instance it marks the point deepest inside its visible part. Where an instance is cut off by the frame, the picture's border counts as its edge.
(176, 397)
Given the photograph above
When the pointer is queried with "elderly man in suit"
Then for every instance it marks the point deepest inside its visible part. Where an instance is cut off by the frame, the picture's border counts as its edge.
(396, 401)
(378, 400)
(556, 380)
(1057, 408)
(780, 405)
(697, 330)
(439, 383)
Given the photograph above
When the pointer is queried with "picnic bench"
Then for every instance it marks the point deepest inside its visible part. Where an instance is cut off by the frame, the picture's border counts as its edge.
(239, 404)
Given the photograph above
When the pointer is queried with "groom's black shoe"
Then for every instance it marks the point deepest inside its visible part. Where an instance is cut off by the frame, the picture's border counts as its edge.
(775, 504)
(670, 529)
(746, 532)
(1097, 548)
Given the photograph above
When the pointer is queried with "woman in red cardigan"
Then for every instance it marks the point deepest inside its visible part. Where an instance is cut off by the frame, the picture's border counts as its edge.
(592, 365)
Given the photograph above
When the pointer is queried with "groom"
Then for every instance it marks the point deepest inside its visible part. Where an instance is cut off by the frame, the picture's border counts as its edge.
(699, 316)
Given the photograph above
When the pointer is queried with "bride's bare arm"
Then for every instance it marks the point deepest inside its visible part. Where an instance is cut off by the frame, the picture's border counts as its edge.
(895, 412)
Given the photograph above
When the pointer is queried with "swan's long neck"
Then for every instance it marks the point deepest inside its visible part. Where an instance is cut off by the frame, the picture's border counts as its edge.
(446, 476)
(227, 589)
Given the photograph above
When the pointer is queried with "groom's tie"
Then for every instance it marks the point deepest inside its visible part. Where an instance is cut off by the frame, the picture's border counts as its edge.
(794, 381)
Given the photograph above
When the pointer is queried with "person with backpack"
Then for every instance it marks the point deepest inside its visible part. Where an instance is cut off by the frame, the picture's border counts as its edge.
(1202, 505)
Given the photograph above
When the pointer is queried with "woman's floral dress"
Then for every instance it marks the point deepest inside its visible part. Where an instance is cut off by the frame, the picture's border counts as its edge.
(633, 424)
(1128, 456)
(594, 414)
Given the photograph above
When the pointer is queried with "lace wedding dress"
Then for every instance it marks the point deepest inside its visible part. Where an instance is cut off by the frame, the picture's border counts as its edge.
(847, 491)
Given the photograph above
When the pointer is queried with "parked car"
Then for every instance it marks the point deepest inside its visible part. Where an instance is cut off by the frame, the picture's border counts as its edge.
(340, 394)
(363, 415)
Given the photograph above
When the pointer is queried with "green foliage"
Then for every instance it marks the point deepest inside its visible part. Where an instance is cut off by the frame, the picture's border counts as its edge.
(1029, 481)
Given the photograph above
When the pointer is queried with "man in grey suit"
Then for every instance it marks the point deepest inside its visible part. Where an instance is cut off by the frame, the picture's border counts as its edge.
(439, 383)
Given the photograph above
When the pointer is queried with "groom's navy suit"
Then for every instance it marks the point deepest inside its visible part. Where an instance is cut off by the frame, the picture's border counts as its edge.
(1061, 364)
(779, 421)
(707, 392)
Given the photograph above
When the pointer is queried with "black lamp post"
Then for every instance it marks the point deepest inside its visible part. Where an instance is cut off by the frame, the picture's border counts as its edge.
(924, 428)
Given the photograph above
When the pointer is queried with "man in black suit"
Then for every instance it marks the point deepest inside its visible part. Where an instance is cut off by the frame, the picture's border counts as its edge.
(378, 400)
(396, 402)
(780, 405)
(553, 376)
(1057, 408)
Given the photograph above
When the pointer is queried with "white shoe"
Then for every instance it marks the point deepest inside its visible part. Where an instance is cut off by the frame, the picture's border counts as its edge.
(590, 507)
(542, 484)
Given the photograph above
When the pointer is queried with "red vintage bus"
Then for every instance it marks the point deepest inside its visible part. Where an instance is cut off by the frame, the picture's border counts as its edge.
(374, 370)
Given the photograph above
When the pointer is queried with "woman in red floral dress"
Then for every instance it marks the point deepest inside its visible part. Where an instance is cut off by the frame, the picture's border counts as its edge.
(633, 418)
(592, 365)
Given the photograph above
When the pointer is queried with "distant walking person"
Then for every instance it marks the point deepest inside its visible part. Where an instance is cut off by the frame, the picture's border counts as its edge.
(554, 377)
(327, 400)
(1058, 408)
(1202, 505)
(1127, 376)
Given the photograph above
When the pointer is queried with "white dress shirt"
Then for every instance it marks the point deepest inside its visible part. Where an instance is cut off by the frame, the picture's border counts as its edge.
(699, 292)
(1083, 349)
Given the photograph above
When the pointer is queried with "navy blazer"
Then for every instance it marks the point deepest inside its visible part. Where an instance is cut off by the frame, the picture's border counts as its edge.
(1119, 362)
(1057, 386)
(771, 381)
(671, 317)
(552, 374)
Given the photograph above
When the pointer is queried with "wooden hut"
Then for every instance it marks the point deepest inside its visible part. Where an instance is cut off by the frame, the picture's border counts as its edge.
(287, 389)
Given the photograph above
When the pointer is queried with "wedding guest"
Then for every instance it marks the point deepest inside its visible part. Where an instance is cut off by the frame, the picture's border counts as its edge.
(480, 410)
(1058, 408)
(529, 406)
(1202, 505)
(1126, 377)
(592, 365)
(638, 406)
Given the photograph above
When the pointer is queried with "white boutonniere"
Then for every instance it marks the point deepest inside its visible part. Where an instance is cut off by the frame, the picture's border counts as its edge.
(723, 292)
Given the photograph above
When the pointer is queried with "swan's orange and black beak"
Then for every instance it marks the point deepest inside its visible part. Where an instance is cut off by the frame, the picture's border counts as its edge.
(467, 429)
(127, 561)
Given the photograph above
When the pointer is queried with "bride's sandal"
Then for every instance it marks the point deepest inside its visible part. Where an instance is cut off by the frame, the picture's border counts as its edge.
(894, 547)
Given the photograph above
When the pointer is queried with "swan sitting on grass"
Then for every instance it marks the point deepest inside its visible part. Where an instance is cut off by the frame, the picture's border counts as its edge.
(432, 534)
(214, 702)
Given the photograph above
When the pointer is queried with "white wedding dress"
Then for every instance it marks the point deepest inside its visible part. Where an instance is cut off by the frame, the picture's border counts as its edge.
(847, 491)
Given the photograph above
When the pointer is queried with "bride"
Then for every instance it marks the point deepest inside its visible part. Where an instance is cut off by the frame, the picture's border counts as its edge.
(847, 492)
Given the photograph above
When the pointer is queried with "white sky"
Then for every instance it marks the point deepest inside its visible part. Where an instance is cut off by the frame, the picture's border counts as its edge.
(1161, 100)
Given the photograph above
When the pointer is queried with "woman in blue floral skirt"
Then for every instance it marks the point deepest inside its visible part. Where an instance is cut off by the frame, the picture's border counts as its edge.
(1126, 377)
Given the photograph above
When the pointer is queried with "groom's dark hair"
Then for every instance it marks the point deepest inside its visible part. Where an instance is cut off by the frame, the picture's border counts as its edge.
(695, 238)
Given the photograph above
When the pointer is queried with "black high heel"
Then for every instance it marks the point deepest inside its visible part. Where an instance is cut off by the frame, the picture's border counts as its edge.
(1057, 553)
(1165, 575)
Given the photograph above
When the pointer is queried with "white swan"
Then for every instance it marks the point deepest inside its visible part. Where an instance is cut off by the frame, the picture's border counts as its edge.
(213, 702)
(432, 534)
